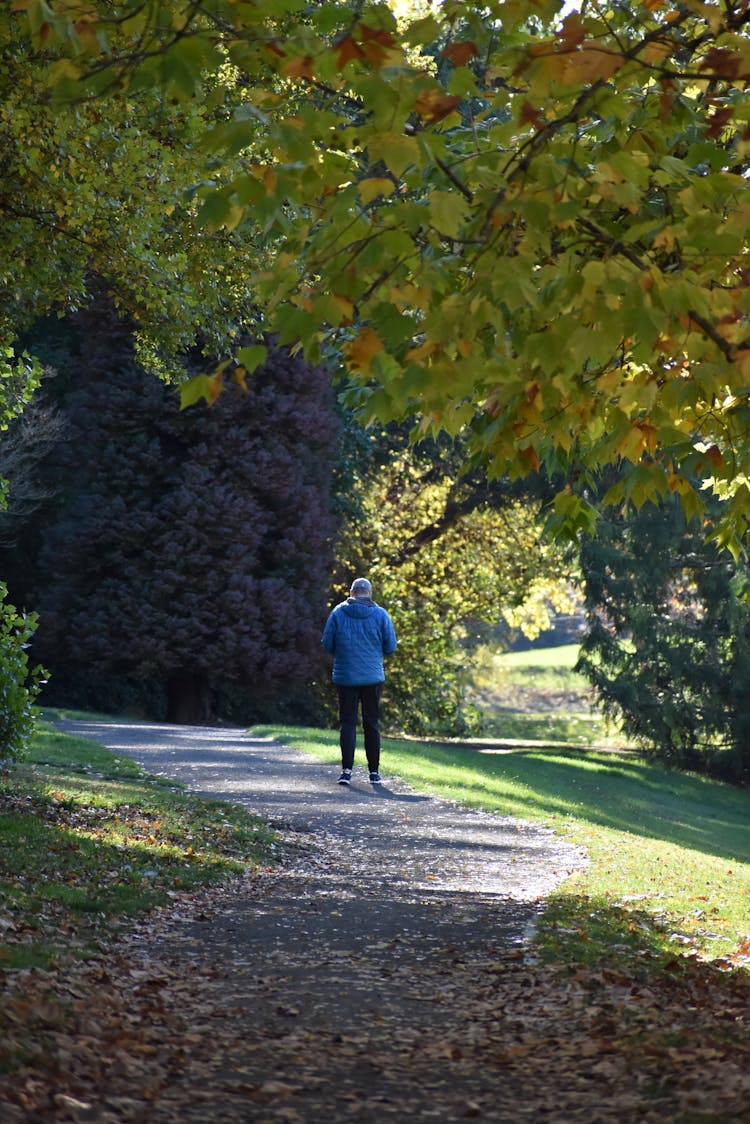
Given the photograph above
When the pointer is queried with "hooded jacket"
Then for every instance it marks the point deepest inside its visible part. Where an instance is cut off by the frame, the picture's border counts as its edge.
(358, 634)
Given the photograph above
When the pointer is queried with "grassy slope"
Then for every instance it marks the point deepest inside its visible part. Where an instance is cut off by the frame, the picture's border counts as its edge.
(87, 838)
(669, 853)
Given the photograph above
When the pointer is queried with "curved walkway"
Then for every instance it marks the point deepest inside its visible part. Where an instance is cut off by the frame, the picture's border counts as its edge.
(336, 985)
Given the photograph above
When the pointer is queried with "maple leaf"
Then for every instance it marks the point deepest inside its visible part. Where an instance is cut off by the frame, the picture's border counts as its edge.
(363, 349)
(722, 62)
(719, 120)
(573, 31)
(530, 115)
(239, 375)
(433, 106)
(298, 67)
(347, 50)
(461, 53)
(376, 43)
(530, 458)
(591, 64)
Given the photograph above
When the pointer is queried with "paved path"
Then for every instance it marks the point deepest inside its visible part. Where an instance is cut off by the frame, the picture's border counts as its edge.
(355, 949)
(387, 833)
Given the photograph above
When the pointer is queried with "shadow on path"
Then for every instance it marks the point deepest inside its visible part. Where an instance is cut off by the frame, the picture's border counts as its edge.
(319, 979)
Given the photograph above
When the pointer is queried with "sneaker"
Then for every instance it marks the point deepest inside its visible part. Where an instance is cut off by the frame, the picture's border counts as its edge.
(375, 778)
(346, 777)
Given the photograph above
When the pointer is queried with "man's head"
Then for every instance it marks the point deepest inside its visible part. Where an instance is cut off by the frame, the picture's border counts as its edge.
(360, 588)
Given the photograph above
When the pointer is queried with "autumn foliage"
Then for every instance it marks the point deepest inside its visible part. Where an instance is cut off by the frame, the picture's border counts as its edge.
(474, 200)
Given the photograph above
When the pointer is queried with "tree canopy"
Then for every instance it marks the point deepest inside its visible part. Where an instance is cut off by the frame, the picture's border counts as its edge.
(449, 556)
(525, 222)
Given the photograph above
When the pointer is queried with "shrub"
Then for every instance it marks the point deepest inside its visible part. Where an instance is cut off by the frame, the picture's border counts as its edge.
(18, 685)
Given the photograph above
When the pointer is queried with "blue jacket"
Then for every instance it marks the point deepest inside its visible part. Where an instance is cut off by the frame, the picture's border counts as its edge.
(358, 633)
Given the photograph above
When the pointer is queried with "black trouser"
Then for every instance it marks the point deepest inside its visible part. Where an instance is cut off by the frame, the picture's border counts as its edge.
(349, 700)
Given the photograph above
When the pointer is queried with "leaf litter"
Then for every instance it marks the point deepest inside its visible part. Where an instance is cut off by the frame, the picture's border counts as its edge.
(370, 978)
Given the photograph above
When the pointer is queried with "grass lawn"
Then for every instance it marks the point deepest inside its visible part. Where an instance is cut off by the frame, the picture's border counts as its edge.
(561, 658)
(669, 869)
(536, 696)
(87, 839)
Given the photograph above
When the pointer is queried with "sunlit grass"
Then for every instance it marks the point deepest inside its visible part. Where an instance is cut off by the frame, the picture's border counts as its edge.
(535, 696)
(88, 838)
(669, 853)
(560, 659)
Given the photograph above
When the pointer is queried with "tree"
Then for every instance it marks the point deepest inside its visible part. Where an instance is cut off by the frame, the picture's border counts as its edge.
(528, 225)
(109, 194)
(449, 557)
(19, 684)
(667, 642)
(189, 551)
(91, 194)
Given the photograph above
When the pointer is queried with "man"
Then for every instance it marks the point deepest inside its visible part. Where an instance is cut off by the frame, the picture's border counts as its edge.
(358, 634)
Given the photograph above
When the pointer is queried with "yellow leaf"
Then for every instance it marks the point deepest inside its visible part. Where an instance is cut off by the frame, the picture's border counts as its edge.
(270, 180)
(656, 51)
(679, 484)
(345, 304)
(374, 186)
(214, 386)
(61, 70)
(424, 351)
(240, 377)
(234, 216)
(363, 349)
(590, 64)
(298, 67)
(632, 444)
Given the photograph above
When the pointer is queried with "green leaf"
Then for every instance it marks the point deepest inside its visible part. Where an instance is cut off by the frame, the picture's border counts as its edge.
(193, 390)
(252, 357)
(184, 64)
(448, 211)
(396, 151)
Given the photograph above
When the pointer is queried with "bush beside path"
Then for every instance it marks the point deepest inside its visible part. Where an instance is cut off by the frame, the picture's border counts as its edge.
(383, 969)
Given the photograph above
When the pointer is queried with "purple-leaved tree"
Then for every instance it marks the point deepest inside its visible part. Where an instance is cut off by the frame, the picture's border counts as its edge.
(189, 552)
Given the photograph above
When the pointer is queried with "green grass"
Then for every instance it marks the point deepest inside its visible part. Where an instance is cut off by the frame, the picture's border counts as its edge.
(569, 729)
(561, 658)
(535, 696)
(87, 839)
(669, 853)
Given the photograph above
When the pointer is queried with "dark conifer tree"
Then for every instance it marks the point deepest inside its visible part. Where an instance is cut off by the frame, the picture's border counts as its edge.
(668, 641)
(189, 554)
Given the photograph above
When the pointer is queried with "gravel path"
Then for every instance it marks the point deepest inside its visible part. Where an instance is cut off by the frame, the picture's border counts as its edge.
(336, 986)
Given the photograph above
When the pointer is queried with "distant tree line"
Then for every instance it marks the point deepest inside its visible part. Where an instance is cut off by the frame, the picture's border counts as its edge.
(181, 562)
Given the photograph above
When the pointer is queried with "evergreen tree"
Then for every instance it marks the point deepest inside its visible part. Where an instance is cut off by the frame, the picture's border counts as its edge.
(189, 554)
(667, 641)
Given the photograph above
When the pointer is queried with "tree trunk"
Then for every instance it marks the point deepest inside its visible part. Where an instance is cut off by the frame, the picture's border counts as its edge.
(188, 699)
